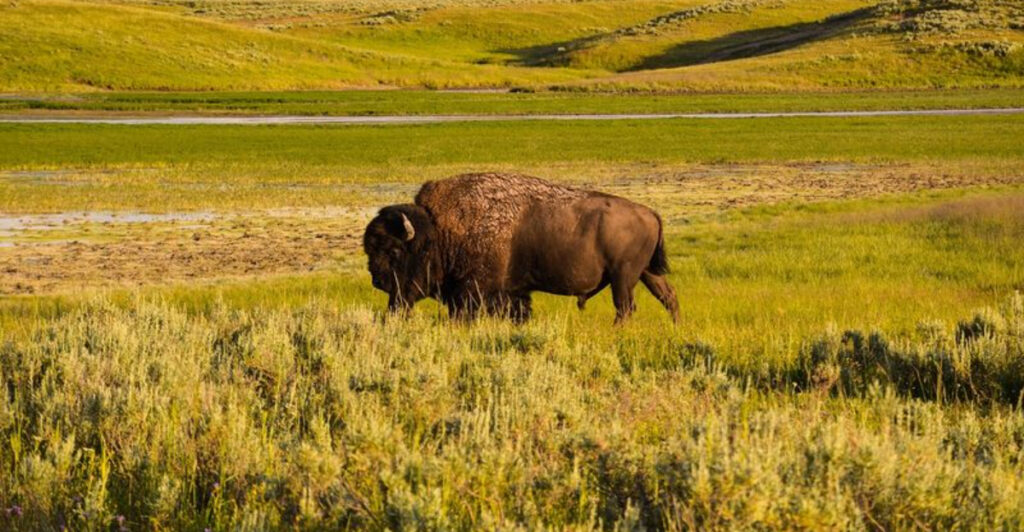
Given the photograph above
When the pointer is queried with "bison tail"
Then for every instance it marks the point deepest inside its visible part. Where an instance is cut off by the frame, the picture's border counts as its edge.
(659, 261)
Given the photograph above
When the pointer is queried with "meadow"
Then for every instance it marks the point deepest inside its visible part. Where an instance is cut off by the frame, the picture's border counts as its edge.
(408, 102)
(189, 340)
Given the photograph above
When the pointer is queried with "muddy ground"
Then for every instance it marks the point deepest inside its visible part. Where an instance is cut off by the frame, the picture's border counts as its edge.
(67, 251)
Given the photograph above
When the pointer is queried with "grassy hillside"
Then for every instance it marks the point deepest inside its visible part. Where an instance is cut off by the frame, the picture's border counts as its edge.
(902, 43)
(508, 34)
(714, 45)
(58, 45)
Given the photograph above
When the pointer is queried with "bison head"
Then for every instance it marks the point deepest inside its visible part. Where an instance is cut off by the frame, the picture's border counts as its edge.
(397, 243)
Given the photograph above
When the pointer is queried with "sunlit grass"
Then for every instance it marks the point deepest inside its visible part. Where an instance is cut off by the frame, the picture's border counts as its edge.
(97, 47)
(619, 46)
(831, 368)
(365, 103)
(322, 416)
(870, 139)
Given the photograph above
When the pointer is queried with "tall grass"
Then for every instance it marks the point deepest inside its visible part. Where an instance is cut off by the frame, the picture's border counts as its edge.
(292, 403)
(145, 416)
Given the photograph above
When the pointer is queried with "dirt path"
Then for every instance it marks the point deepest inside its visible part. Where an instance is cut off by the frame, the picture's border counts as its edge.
(433, 119)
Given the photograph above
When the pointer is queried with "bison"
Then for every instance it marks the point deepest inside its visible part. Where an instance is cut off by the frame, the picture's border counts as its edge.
(484, 242)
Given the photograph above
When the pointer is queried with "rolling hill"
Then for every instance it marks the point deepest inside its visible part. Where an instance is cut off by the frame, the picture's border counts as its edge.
(678, 45)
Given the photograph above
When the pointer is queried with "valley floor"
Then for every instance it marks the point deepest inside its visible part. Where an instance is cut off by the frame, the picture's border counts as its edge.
(189, 338)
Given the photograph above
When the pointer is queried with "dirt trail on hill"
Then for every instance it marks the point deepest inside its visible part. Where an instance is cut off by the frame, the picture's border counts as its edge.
(433, 119)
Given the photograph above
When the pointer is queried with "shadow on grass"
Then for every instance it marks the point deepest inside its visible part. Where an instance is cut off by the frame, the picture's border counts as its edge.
(738, 45)
(754, 43)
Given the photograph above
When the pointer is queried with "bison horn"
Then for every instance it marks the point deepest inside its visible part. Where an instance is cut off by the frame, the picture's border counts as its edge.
(410, 231)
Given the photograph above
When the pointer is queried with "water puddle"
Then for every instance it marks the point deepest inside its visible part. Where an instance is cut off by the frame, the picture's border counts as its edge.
(12, 225)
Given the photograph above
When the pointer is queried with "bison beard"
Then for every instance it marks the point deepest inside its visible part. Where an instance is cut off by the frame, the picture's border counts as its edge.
(484, 242)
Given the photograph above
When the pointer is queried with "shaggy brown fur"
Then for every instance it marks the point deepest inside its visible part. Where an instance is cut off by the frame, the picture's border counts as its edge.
(475, 215)
(486, 241)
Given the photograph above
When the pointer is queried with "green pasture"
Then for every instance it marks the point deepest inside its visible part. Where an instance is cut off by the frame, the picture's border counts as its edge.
(756, 280)
(161, 168)
(850, 353)
(408, 102)
(867, 139)
(841, 365)
(848, 361)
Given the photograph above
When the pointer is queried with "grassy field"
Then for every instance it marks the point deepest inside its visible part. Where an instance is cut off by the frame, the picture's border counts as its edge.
(188, 337)
(59, 46)
(992, 138)
(368, 103)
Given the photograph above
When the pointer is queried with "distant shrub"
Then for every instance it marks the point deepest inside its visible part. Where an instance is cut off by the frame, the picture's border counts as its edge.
(392, 16)
(724, 6)
(984, 48)
(982, 361)
(914, 18)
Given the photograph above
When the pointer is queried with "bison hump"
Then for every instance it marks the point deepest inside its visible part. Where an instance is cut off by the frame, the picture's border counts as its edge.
(475, 215)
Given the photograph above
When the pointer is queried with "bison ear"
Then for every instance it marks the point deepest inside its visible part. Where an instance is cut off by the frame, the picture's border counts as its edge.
(410, 231)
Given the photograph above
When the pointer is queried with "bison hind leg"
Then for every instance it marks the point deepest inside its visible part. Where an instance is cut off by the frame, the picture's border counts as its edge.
(622, 297)
(659, 287)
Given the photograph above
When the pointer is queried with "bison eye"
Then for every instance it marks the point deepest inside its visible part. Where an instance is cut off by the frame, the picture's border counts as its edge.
(395, 253)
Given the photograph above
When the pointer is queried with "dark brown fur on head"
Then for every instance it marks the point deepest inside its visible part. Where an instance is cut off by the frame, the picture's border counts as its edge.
(401, 264)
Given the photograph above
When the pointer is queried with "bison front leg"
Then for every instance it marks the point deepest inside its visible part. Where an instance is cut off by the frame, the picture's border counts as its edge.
(464, 306)
(517, 308)
(465, 310)
(398, 305)
(520, 309)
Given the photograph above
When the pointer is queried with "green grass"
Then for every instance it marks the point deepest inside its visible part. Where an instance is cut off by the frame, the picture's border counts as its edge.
(849, 364)
(617, 45)
(850, 350)
(56, 46)
(931, 138)
(287, 403)
(366, 103)
(53, 168)
(494, 35)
